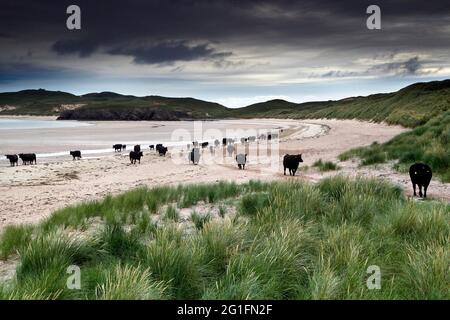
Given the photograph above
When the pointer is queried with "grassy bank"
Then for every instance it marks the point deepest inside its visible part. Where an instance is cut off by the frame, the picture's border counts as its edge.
(429, 143)
(410, 107)
(280, 240)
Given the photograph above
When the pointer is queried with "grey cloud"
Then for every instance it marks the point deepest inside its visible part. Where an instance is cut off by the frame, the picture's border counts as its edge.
(169, 52)
(412, 66)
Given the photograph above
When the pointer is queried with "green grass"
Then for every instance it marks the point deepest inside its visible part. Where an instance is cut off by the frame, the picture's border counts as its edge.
(429, 143)
(325, 166)
(200, 220)
(129, 283)
(410, 107)
(172, 213)
(287, 240)
(14, 238)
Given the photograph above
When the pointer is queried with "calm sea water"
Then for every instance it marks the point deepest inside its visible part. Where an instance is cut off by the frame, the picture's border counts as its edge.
(50, 138)
(9, 124)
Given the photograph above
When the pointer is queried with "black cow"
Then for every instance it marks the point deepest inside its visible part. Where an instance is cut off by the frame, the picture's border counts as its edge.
(13, 159)
(194, 156)
(28, 158)
(117, 147)
(420, 175)
(137, 148)
(224, 141)
(291, 162)
(124, 147)
(241, 160)
(76, 154)
(152, 147)
(162, 151)
(135, 156)
(204, 144)
(158, 147)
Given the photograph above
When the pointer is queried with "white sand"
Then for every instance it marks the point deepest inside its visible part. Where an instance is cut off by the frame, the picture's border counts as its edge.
(30, 193)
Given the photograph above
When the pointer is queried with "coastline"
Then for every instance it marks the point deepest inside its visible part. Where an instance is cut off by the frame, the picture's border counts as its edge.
(30, 193)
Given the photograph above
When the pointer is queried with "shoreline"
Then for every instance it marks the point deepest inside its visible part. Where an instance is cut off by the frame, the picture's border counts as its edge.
(31, 193)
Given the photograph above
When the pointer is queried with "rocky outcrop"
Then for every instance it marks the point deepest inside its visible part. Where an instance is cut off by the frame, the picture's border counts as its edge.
(123, 114)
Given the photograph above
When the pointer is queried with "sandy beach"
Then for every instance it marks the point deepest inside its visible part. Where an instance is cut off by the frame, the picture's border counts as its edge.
(30, 193)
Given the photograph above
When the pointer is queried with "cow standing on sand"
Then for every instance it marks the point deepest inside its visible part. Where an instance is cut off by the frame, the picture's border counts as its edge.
(420, 175)
(27, 158)
(291, 162)
(241, 160)
(194, 156)
(135, 156)
(161, 149)
(124, 147)
(76, 154)
(117, 147)
(13, 159)
(152, 147)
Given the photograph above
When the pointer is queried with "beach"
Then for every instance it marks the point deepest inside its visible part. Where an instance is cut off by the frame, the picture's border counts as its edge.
(31, 193)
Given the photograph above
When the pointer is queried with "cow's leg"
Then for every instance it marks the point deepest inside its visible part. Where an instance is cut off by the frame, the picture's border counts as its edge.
(420, 190)
(414, 187)
(243, 167)
(294, 171)
(284, 170)
(425, 187)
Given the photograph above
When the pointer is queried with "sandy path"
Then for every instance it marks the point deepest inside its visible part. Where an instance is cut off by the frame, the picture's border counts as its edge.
(30, 193)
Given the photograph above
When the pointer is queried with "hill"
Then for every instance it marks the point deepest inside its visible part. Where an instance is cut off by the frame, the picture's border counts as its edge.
(411, 106)
(106, 106)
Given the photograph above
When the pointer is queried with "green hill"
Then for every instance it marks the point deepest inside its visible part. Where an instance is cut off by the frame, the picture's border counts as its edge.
(411, 106)
(106, 106)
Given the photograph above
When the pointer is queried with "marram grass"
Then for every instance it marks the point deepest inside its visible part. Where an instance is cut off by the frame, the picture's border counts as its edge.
(283, 240)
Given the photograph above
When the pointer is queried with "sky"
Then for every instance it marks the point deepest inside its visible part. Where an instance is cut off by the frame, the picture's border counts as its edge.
(228, 51)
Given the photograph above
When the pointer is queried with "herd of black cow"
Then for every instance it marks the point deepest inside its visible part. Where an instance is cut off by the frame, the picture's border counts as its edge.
(419, 173)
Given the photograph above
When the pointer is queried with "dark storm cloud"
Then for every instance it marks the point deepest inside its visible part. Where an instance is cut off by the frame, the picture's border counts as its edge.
(168, 52)
(411, 66)
(112, 25)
